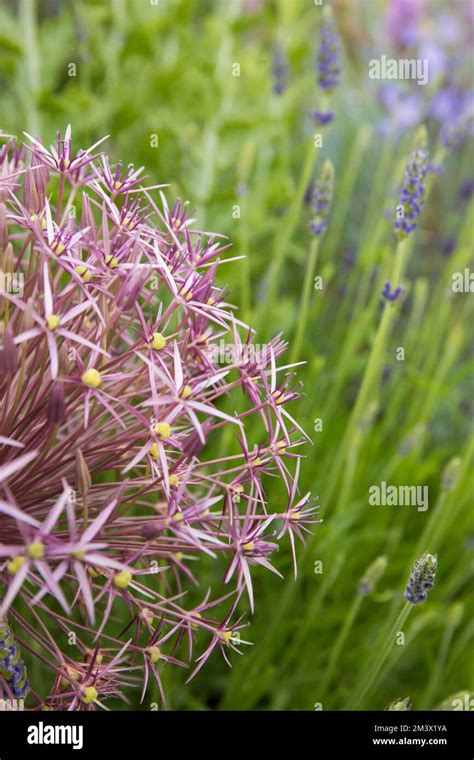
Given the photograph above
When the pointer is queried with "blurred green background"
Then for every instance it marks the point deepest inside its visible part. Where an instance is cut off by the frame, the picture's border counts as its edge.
(243, 157)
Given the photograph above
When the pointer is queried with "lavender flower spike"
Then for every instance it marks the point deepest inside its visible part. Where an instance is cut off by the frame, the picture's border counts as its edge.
(279, 71)
(421, 578)
(322, 198)
(329, 54)
(13, 681)
(412, 194)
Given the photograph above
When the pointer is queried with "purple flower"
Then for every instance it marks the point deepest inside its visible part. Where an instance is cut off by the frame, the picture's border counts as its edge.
(389, 294)
(412, 194)
(329, 55)
(421, 578)
(466, 190)
(455, 131)
(322, 118)
(105, 474)
(322, 198)
(279, 71)
(402, 22)
(405, 110)
(13, 677)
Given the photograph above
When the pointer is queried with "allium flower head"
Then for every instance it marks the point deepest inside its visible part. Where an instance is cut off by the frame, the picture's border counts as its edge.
(422, 578)
(112, 498)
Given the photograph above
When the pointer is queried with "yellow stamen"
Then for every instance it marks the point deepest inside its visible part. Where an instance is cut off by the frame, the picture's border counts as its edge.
(163, 430)
(89, 694)
(15, 564)
(154, 653)
(158, 341)
(90, 654)
(128, 222)
(174, 480)
(178, 517)
(57, 247)
(122, 579)
(35, 550)
(84, 273)
(91, 378)
(52, 320)
(112, 261)
(154, 451)
(185, 292)
(72, 672)
(186, 392)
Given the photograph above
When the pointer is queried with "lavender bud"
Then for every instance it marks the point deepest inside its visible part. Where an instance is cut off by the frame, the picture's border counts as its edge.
(421, 578)
(322, 118)
(329, 54)
(279, 71)
(456, 131)
(451, 474)
(372, 575)
(412, 194)
(12, 669)
(389, 294)
(399, 704)
(322, 198)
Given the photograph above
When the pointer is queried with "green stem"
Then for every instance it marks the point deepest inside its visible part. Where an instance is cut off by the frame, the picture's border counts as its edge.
(371, 374)
(304, 306)
(32, 66)
(380, 660)
(340, 641)
(283, 238)
(433, 683)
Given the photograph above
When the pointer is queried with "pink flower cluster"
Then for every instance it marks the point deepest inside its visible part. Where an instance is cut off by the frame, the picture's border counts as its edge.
(111, 406)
